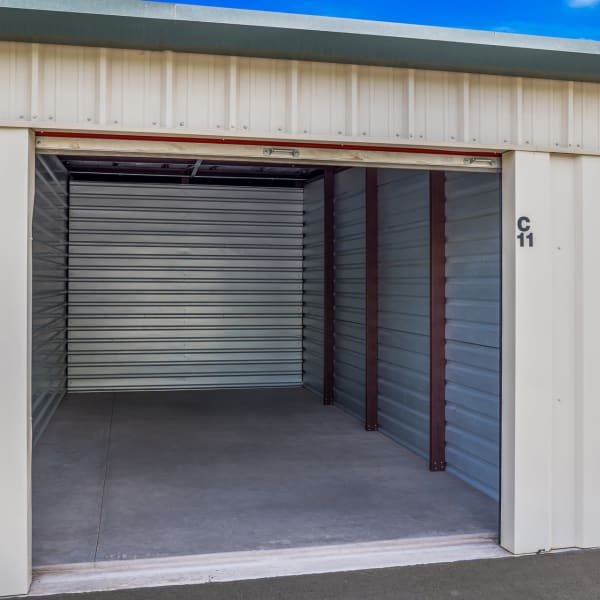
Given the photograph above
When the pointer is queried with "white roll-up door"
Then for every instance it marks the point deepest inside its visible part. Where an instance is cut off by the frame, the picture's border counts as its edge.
(473, 328)
(184, 286)
(350, 293)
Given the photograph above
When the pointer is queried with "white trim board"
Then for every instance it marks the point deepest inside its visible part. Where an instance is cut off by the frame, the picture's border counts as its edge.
(236, 566)
(269, 154)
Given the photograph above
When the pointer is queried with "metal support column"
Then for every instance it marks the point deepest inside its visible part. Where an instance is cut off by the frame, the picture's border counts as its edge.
(328, 289)
(371, 300)
(437, 316)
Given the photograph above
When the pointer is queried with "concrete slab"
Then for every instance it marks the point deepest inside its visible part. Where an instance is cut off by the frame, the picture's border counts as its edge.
(206, 472)
(68, 475)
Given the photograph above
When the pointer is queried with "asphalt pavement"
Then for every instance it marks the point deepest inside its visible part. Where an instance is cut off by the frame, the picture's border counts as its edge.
(560, 576)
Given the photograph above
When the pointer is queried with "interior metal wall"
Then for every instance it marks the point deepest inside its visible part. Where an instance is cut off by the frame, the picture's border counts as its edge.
(473, 288)
(49, 291)
(313, 306)
(349, 385)
(403, 307)
(184, 286)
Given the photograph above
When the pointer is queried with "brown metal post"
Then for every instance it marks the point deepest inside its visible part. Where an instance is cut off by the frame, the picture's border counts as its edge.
(437, 316)
(328, 289)
(371, 300)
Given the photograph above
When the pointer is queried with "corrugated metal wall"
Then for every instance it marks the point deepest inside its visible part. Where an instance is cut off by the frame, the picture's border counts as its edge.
(313, 310)
(350, 297)
(403, 297)
(473, 291)
(184, 286)
(49, 291)
(69, 87)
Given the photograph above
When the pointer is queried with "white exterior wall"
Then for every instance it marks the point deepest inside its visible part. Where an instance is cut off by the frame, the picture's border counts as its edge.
(68, 87)
(551, 355)
(16, 182)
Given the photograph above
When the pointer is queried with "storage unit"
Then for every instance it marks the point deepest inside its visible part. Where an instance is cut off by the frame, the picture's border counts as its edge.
(278, 142)
(216, 283)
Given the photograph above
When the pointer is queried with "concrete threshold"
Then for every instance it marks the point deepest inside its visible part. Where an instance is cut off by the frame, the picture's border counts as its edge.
(260, 564)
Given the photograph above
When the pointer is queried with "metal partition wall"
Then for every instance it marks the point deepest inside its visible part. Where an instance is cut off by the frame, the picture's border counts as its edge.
(473, 328)
(403, 290)
(350, 298)
(314, 288)
(184, 286)
(49, 292)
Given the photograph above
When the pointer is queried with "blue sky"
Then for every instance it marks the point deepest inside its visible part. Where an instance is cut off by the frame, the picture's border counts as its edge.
(563, 18)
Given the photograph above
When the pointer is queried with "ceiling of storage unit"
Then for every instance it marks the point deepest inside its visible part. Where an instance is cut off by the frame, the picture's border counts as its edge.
(188, 171)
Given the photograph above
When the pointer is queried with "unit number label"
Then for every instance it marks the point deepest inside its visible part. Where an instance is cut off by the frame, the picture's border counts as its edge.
(524, 235)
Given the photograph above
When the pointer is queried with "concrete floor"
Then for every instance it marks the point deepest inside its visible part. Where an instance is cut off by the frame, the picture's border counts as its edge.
(137, 475)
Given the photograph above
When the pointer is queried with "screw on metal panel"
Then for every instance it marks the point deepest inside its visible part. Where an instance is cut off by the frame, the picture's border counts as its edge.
(181, 124)
(34, 117)
(50, 118)
(397, 135)
(89, 119)
(451, 137)
(421, 136)
(218, 127)
(153, 122)
(306, 131)
(116, 121)
(245, 126)
(21, 117)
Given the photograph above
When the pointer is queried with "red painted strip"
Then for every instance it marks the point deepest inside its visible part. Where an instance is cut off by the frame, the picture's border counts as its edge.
(437, 315)
(272, 143)
(371, 410)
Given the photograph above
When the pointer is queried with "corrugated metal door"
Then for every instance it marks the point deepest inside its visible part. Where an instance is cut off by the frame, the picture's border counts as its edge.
(49, 291)
(473, 328)
(313, 308)
(184, 286)
(403, 311)
(350, 297)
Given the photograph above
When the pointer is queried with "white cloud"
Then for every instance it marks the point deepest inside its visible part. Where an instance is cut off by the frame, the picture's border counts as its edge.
(582, 3)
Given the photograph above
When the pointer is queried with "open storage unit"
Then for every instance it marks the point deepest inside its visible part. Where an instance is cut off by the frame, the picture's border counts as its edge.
(205, 310)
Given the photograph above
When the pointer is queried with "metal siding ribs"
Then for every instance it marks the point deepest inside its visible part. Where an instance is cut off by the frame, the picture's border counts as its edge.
(314, 287)
(473, 328)
(174, 286)
(350, 297)
(403, 319)
(49, 292)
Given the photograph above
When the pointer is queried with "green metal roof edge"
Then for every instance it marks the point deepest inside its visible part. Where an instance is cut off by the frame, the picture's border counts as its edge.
(191, 28)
